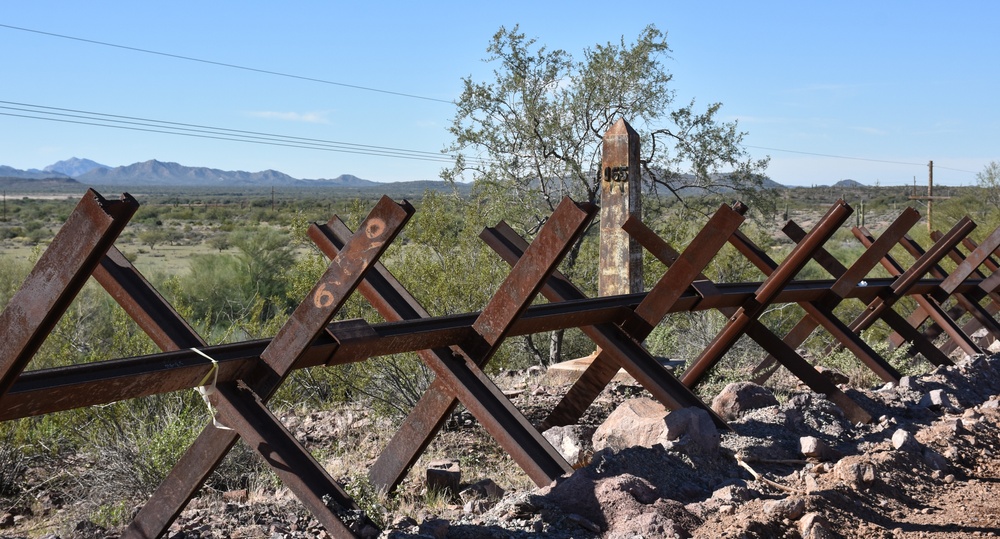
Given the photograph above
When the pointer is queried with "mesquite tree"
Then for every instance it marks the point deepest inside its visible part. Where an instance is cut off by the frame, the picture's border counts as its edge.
(537, 126)
(533, 133)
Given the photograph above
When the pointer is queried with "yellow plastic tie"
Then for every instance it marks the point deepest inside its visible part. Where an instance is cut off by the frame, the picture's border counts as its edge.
(207, 390)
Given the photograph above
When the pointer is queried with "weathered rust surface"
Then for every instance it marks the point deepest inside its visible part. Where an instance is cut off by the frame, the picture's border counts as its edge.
(243, 411)
(767, 292)
(542, 463)
(458, 376)
(918, 342)
(65, 388)
(927, 307)
(293, 340)
(782, 351)
(848, 278)
(992, 307)
(455, 347)
(57, 278)
(913, 274)
(845, 281)
(619, 347)
(167, 329)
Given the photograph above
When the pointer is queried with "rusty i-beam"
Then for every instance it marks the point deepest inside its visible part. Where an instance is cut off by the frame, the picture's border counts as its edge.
(102, 382)
(767, 292)
(463, 380)
(57, 278)
(847, 280)
(783, 351)
(618, 346)
(241, 404)
(992, 297)
(992, 307)
(929, 308)
(913, 274)
(455, 347)
(822, 314)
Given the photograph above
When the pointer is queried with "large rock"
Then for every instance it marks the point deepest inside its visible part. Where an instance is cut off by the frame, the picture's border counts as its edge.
(571, 442)
(904, 441)
(813, 447)
(639, 421)
(740, 397)
(693, 429)
(645, 422)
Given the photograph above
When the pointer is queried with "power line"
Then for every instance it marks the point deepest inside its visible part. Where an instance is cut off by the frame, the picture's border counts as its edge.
(80, 117)
(224, 64)
(855, 158)
(203, 128)
(305, 142)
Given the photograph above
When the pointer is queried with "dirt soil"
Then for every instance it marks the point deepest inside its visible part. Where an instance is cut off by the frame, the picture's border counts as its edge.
(926, 467)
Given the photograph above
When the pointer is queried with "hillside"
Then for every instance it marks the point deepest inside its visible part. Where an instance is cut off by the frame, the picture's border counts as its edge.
(155, 172)
(41, 184)
(10, 172)
(74, 166)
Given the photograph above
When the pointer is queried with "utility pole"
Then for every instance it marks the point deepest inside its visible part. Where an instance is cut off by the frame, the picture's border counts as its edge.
(930, 198)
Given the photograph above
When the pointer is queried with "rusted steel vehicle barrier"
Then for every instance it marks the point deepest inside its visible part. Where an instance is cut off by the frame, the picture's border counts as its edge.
(246, 375)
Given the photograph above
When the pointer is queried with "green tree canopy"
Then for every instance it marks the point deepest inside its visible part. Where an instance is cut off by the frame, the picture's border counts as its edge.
(538, 124)
(989, 180)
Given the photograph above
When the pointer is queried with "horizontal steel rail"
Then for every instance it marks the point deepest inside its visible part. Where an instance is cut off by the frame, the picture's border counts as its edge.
(63, 388)
(245, 375)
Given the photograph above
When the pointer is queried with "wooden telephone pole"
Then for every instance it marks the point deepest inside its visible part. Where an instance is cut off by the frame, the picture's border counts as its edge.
(930, 198)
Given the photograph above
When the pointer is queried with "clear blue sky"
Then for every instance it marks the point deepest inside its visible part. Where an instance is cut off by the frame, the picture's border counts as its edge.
(906, 82)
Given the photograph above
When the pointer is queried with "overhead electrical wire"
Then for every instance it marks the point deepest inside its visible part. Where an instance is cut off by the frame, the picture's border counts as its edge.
(300, 142)
(81, 117)
(854, 158)
(225, 64)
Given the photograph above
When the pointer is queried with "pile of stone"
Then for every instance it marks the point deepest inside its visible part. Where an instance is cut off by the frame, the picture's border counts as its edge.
(649, 472)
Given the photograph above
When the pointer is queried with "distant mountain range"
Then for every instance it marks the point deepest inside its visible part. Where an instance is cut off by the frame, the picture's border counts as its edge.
(74, 166)
(158, 173)
(848, 184)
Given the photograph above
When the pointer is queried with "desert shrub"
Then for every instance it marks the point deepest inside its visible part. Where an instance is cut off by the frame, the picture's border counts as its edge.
(137, 442)
(859, 374)
(12, 460)
(134, 444)
(12, 274)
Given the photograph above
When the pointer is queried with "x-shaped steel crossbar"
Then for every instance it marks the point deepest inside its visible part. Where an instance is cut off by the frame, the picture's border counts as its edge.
(458, 347)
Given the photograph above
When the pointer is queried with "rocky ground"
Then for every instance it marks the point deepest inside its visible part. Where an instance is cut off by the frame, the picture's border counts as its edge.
(926, 467)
